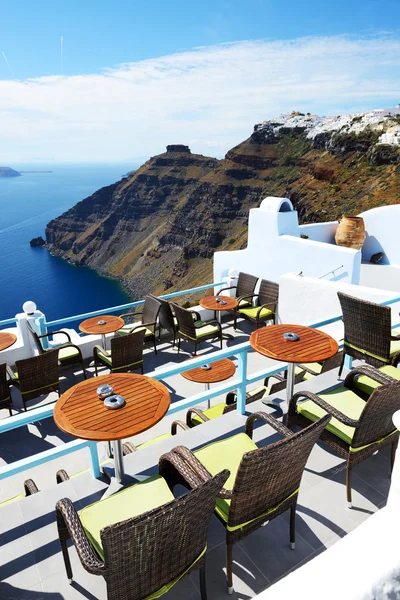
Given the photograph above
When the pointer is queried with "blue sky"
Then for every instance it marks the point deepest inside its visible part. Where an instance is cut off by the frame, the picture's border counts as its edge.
(98, 33)
(136, 76)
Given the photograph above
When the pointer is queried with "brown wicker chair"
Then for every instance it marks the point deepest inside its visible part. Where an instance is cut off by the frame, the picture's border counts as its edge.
(195, 416)
(368, 423)
(192, 331)
(368, 332)
(244, 289)
(149, 316)
(145, 552)
(68, 353)
(265, 310)
(314, 369)
(263, 483)
(167, 320)
(7, 379)
(38, 375)
(126, 353)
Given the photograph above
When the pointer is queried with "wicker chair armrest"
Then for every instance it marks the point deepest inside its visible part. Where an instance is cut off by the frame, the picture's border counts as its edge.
(232, 287)
(128, 448)
(62, 476)
(195, 315)
(190, 468)
(240, 298)
(131, 314)
(143, 325)
(325, 406)
(30, 487)
(44, 335)
(99, 350)
(68, 345)
(371, 372)
(178, 424)
(195, 411)
(263, 416)
(68, 522)
(395, 359)
(267, 305)
(395, 338)
(276, 376)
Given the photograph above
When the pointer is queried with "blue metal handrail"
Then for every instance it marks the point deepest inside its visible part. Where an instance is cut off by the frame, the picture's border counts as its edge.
(240, 383)
(6, 322)
(121, 307)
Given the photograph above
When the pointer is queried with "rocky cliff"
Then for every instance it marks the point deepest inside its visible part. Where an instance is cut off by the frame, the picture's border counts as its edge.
(158, 228)
(8, 172)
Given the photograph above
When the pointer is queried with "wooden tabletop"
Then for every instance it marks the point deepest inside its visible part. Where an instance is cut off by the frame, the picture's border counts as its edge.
(220, 370)
(7, 339)
(111, 324)
(313, 346)
(210, 302)
(80, 413)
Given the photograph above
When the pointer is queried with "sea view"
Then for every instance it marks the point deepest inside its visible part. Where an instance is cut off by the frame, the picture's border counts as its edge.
(27, 204)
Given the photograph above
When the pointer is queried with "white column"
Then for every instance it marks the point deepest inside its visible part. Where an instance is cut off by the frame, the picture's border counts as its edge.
(394, 492)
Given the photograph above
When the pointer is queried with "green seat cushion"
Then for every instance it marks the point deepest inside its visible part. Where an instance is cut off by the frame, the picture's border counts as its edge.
(65, 353)
(344, 400)
(211, 413)
(105, 358)
(367, 384)
(128, 328)
(395, 346)
(163, 436)
(316, 367)
(226, 454)
(244, 303)
(132, 502)
(13, 499)
(207, 330)
(251, 312)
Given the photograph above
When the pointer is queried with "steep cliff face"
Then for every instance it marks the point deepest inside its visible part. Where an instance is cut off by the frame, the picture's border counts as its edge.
(158, 228)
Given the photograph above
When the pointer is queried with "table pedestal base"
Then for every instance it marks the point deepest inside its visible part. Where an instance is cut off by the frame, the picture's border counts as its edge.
(284, 406)
(118, 460)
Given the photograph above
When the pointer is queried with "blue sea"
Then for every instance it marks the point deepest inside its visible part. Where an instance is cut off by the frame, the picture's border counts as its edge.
(27, 204)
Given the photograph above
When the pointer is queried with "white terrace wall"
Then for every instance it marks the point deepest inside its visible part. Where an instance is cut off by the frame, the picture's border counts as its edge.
(382, 225)
(306, 300)
(275, 247)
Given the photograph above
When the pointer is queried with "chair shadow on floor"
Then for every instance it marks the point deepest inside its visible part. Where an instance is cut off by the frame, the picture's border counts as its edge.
(9, 592)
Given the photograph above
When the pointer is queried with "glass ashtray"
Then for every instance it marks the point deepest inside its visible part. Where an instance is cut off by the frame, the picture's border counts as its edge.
(101, 322)
(291, 337)
(206, 367)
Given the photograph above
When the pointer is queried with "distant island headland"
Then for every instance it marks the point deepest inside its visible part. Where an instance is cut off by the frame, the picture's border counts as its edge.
(8, 172)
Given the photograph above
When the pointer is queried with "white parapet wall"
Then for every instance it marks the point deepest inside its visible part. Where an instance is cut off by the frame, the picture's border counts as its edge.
(382, 227)
(306, 300)
(275, 247)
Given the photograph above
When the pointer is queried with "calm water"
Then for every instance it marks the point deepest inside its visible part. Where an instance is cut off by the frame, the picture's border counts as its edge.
(27, 204)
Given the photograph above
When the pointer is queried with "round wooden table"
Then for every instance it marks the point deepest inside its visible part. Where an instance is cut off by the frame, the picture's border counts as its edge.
(103, 324)
(7, 339)
(313, 345)
(210, 303)
(219, 371)
(80, 412)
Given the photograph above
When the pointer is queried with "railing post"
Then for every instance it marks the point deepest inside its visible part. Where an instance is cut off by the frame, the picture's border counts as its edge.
(41, 321)
(242, 376)
(94, 460)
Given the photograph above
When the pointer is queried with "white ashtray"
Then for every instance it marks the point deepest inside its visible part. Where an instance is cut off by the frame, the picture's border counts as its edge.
(101, 322)
(205, 367)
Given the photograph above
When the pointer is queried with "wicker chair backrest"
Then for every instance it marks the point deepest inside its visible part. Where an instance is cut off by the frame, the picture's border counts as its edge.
(165, 316)
(367, 330)
(376, 419)
(126, 350)
(245, 285)
(4, 387)
(38, 375)
(143, 554)
(268, 292)
(185, 321)
(269, 475)
(36, 339)
(151, 309)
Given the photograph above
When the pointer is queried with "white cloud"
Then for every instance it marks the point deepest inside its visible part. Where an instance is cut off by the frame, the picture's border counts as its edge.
(208, 97)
